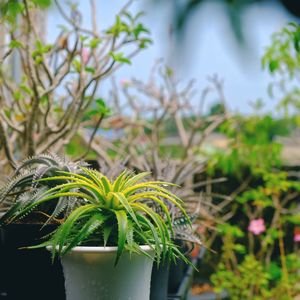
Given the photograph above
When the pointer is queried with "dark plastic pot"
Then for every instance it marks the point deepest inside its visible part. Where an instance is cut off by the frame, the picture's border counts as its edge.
(159, 282)
(177, 271)
(2, 275)
(29, 274)
(183, 288)
(94, 164)
(176, 275)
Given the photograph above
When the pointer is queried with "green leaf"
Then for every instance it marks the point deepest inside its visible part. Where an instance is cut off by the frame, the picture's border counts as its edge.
(7, 113)
(273, 65)
(227, 229)
(85, 231)
(240, 248)
(83, 38)
(95, 177)
(90, 70)
(139, 29)
(120, 181)
(157, 240)
(135, 179)
(26, 89)
(42, 3)
(39, 45)
(77, 65)
(12, 9)
(106, 234)
(60, 237)
(119, 57)
(89, 114)
(103, 109)
(122, 232)
(94, 43)
(161, 226)
(126, 205)
(106, 184)
(153, 196)
(275, 271)
(17, 95)
(38, 60)
(47, 48)
(94, 193)
(15, 44)
(294, 219)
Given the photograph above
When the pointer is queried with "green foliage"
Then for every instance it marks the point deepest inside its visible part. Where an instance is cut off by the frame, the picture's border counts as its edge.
(24, 188)
(15, 44)
(129, 25)
(77, 65)
(282, 58)
(230, 230)
(216, 109)
(251, 145)
(94, 42)
(113, 213)
(261, 264)
(255, 275)
(42, 3)
(100, 108)
(241, 252)
(39, 51)
(59, 91)
(251, 280)
(10, 9)
(119, 57)
(283, 55)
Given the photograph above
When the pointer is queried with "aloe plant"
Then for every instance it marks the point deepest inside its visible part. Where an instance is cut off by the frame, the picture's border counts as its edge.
(115, 213)
(175, 172)
(24, 188)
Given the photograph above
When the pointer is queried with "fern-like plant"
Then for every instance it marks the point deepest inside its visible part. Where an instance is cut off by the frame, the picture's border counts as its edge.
(114, 213)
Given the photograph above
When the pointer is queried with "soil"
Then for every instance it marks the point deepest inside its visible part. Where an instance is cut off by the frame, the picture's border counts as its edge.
(199, 289)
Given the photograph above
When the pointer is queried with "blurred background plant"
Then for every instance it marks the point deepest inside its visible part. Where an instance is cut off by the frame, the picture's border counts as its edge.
(240, 172)
(234, 11)
(24, 188)
(259, 241)
(49, 90)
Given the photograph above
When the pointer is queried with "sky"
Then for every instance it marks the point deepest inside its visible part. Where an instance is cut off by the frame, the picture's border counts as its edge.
(208, 46)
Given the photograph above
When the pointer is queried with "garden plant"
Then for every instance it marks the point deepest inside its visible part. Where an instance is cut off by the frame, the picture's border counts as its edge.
(54, 86)
(260, 236)
(239, 197)
(110, 213)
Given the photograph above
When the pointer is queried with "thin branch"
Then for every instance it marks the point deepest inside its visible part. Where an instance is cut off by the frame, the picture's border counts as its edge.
(7, 147)
(97, 125)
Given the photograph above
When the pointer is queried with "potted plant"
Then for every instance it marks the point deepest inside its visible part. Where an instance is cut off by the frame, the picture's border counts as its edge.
(22, 187)
(168, 280)
(185, 236)
(108, 243)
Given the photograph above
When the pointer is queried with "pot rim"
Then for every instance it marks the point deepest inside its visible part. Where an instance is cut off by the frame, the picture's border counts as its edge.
(100, 249)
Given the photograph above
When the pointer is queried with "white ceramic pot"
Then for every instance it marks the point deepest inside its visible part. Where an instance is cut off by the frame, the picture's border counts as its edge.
(90, 274)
